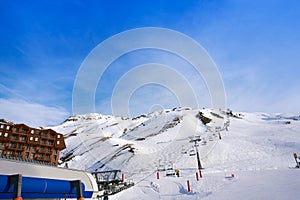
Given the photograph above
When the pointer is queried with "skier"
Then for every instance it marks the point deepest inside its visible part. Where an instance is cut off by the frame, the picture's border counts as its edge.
(297, 160)
(177, 172)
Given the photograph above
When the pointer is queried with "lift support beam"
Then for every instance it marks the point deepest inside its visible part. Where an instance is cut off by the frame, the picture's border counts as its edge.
(17, 187)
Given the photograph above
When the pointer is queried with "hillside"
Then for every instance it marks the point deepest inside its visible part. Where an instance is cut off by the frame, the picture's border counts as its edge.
(256, 145)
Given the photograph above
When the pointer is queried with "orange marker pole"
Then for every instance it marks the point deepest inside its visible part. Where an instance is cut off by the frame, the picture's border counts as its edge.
(188, 186)
(123, 177)
(200, 172)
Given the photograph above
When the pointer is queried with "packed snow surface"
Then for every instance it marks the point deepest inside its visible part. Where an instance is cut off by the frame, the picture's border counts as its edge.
(255, 148)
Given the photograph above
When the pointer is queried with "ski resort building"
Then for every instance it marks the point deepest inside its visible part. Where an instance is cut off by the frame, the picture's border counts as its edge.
(23, 142)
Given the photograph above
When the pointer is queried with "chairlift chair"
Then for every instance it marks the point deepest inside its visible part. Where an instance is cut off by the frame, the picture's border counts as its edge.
(192, 152)
(183, 150)
(170, 169)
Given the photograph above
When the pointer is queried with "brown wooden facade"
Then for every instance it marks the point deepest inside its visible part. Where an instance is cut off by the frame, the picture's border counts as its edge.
(22, 141)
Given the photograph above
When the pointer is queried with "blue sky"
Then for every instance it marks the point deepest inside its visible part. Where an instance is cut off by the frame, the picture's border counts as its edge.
(255, 44)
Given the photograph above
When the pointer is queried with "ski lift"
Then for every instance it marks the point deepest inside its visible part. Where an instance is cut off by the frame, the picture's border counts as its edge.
(170, 169)
(161, 166)
(197, 137)
(215, 135)
(218, 128)
(192, 152)
(183, 150)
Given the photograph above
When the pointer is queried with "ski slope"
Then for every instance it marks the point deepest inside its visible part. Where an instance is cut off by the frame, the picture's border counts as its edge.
(247, 185)
(257, 148)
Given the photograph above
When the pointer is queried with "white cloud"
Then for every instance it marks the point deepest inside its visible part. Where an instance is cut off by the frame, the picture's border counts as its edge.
(32, 114)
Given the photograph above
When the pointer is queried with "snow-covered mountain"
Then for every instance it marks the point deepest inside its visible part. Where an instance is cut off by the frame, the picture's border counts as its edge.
(104, 142)
(255, 143)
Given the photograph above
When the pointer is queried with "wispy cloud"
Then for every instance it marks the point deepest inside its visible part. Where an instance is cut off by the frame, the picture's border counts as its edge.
(33, 114)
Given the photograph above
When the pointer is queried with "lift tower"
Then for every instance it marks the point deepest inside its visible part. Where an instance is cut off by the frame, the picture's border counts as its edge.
(195, 140)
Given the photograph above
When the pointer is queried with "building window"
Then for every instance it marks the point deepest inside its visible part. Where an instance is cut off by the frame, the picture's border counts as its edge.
(32, 131)
(24, 130)
(0, 133)
(48, 149)
(20, 145)
(18, 153)
(7, 127)
(31, 138)
(13, 145)
(22, 138)
(57, 142)
(9, 153)
(15, 130)
(28, 148)
(3, 144)
(55, 151)
(13, 137)
(58, 136)
(5, 134)
(40, 155)
(48, 157)
(36, 139)
(51, 143)
(26, 155)
(54, 157)
(1, 126)
(33, 148)
(31, 156)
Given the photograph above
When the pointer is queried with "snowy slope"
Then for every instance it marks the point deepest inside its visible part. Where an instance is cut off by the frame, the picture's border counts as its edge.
(105, 142)
(258, 147)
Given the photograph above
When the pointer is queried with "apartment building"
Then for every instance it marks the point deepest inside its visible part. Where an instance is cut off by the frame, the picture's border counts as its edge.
(24, 142)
